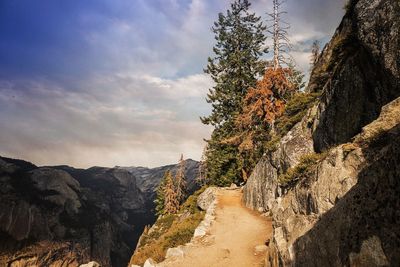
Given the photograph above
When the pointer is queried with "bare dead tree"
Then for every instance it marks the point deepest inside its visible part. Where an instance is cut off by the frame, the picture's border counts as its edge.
(279, 31)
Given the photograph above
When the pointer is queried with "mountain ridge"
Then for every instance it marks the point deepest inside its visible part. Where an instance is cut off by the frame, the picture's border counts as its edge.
(81, 214)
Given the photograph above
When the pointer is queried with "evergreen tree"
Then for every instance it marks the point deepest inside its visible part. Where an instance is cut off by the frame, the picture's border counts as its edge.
(160, 196)
(171, 203)
(265, 102)
(234, 68)
(180, 181)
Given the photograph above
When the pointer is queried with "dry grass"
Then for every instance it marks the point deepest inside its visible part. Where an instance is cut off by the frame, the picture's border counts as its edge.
(170, 231)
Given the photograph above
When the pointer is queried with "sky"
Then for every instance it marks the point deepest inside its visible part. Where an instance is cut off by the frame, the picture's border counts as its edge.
(120, 82)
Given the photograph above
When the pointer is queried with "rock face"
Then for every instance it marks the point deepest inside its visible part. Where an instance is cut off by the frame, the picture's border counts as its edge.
(362, 229)
(358, 71)
(345, 211)
(62, 216)
(77, 215)
(262, 187)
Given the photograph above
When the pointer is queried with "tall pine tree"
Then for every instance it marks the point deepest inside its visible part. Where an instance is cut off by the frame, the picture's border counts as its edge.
(235, 67)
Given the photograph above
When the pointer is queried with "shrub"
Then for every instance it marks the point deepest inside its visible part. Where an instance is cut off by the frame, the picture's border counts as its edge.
(272, 144)
(305, 167)
(182, 231)
(152, 250)
(170, 231)
(295, 110)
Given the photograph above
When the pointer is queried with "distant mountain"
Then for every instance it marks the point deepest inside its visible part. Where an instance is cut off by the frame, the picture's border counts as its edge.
(70, 216)
(148, 179)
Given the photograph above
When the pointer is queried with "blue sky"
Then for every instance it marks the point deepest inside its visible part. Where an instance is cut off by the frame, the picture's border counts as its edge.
(119, 82)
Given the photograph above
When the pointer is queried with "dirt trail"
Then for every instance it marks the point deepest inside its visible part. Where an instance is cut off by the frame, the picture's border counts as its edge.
(233, 237)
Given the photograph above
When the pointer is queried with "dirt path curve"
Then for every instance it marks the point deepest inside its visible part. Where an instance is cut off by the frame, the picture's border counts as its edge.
(233, 237)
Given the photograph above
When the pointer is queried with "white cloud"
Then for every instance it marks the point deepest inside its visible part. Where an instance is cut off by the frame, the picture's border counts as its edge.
(119, 120)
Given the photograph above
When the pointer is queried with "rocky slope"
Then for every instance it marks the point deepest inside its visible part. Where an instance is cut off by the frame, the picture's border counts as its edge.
(148, 179)
(61, 216)
(343, 211)
(358, 71)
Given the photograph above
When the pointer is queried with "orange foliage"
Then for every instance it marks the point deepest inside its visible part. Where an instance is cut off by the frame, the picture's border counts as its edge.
(266, 102)
(263, 104)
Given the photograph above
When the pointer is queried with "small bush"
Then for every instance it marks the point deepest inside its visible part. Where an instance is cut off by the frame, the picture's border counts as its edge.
(295, 110)
(166, 221)
(163, 224)
(182, 232)
(152, 250)
(305, 167)
(272, 144)
(178, 237)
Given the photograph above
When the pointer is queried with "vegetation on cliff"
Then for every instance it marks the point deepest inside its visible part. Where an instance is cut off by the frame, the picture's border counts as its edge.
(170, 230)
(172, 191)
(306, 167)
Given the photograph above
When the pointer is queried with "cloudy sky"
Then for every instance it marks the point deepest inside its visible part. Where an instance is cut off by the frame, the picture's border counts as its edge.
(119, 82)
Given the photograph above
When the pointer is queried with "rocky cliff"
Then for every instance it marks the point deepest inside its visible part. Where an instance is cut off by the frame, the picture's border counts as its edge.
(61, 216)
(148, 179)
(341, 207)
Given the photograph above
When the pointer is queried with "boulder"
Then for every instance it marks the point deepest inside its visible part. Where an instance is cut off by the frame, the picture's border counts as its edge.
(150, 263)
(200, 231)
(206, 198)
(358, 71)
(64, 188)
(232, 187)
(175, 253)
